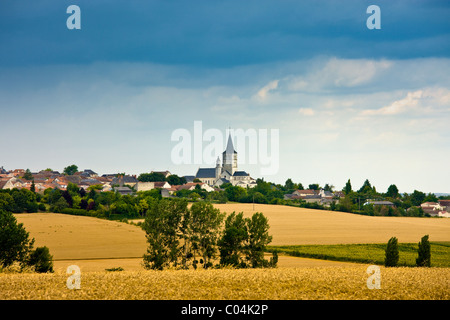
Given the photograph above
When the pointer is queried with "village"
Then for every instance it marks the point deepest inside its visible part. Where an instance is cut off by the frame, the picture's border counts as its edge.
(130, 185)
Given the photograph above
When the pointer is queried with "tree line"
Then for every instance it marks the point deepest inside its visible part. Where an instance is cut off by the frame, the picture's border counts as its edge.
(185, 237)
(423, 253)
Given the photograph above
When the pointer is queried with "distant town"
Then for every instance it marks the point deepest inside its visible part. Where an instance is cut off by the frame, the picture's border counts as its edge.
(203, 187)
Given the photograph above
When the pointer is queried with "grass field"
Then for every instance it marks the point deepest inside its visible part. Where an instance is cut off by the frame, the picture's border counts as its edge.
(96, 244)
(368, 253)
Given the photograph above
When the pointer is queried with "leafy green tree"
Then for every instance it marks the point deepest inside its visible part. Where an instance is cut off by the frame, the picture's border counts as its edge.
(151, 177)
(204, 230)
(431, 197)
(235, 193)
(59, 205)
(70, 170)
(28, 175)
(328, 187)
(417, 198)
(41, 259)
(162, 227)
(424, 253)
(366, 187)
(233, 240)
(392, 191)
(173, 179)
(314, 186)
(15, 243)
(258, 239)
(391, 253)
(289, 185)
(6, 201)
(348, 187)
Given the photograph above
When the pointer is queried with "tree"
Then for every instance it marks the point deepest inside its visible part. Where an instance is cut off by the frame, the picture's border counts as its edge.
(348, 187)
(417, 198)
(431, 197)
(28, 175)
(70, 170)
(233, 240)
(424, 253)
(314, 186)
(258, 239)
(41, 260)
(15, 243)
(289, 185)
(204, 231)
(151, 177)
(162, 227)
(366, 187)
(391, 253)
(328, 187)
(392, 191)
(173, 179)
(6, 201)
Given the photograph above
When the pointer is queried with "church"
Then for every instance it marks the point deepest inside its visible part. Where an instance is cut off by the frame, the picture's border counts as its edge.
(227, 171)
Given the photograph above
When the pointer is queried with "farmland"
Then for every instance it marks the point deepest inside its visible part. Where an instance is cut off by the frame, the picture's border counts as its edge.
(97, 244)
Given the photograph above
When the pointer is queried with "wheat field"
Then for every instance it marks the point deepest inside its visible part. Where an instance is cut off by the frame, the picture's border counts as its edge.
(95, 245)
(311, 283)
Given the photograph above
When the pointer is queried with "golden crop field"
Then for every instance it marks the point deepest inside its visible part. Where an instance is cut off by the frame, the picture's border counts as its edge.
(95, 245)
(291, 226)
(310, 283)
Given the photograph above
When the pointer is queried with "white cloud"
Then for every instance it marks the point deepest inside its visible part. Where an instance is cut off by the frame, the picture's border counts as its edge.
(399, 106)
(262, 93)
(340, 73)
(420, 101)
(306, 111)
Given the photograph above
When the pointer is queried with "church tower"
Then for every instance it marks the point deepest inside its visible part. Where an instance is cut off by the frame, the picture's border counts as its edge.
(229, 157)
(218, 168)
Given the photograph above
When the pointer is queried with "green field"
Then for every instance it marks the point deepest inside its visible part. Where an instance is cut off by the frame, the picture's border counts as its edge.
(368, 253)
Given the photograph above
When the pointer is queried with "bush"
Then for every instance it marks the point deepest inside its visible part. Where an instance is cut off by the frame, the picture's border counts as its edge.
(391, 256)
(42, 207)
(41, 260)
(424, 252)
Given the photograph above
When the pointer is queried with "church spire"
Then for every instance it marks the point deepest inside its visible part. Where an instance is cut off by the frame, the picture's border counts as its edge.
(230, 148)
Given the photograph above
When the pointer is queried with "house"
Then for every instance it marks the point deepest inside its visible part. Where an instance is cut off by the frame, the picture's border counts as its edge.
(191, 186)
(146, 186)
(123, 190)
(88, 173)
(431, 208)
(325, 194)
(304, 193)
(189, 178)
(379, 203)
(444, 205)
(12, 183)
(126, 180)
(17, 172)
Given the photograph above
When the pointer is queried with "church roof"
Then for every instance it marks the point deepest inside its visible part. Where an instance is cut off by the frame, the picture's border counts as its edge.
(240, 174)
(230, 148)
(206, 173)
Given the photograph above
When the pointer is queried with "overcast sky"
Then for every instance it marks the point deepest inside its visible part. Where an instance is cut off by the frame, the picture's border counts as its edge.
(349, 102)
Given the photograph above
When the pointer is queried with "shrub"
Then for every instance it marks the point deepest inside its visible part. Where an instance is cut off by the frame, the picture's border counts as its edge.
(424, 252)
(391, 256)
(41, 260)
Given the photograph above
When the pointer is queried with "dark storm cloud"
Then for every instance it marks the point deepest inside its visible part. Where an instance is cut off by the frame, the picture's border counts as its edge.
(219, 33)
